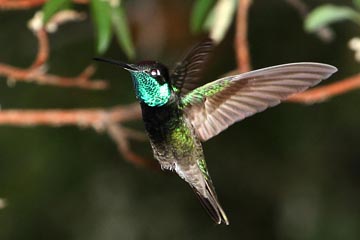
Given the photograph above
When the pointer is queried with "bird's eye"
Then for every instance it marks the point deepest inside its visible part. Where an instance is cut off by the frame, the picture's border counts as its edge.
(155, 72)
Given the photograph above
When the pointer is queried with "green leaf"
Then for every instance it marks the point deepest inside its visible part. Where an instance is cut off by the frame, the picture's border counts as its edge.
(327, 14)
(101, 14)
(219, 20)
(122, 31)
(53, 6)
(200, 11)
(357, 3)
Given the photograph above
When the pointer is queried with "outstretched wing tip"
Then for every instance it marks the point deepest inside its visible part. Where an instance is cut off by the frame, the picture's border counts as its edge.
(321, 66)
(330, 68)
(326, 70)
(217, 105)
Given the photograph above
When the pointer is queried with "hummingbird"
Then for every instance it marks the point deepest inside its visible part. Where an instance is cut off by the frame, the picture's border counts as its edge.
(179, 113)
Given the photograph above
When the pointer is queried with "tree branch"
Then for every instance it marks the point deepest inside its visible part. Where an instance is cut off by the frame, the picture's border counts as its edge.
(26, 4)
(37, 76)
(36, 72)
(96, 118)
(317, 94)
(120, 137)
(109, 120)
(241, 42)
(323, 93)
(43, 49)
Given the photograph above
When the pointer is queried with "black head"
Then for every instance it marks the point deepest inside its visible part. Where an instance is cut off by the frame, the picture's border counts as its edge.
(151, 81)
(154, 69)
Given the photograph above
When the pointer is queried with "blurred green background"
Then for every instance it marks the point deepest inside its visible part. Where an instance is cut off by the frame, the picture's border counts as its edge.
(291, 172)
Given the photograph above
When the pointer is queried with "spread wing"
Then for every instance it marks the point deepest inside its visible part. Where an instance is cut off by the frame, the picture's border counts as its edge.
(215, 106)
(186, 74)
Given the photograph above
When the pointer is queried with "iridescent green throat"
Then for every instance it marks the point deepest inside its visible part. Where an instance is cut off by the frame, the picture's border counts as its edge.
(149, 90)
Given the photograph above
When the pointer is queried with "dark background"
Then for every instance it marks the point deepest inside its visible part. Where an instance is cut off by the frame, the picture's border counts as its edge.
(292, 172)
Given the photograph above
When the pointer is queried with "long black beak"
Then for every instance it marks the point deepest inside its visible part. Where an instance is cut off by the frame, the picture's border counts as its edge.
(126, 66)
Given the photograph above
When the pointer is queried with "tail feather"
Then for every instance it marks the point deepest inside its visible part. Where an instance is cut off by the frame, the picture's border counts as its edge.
(211, 204)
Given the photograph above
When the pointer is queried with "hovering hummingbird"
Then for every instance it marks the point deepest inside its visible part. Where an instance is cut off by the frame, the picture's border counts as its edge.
(179, 114)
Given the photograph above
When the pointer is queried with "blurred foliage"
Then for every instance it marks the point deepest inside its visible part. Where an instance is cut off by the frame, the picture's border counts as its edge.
(101, 13)
(108, 17)
(289, 173)
(214, 17)
(327, 14)
(119, 21)
(200, 12)
(357, 3)
(53, 6)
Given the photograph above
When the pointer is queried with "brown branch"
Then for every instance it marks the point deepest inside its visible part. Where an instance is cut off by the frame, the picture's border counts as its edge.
(43, 49)
(323, 93)
(26, 4)
(99, 119)
(20, 4)
(135, 135)
(36, 74)
(112, 118)
(317, 94)
(119, 135)
(96, 118)
(241, 41)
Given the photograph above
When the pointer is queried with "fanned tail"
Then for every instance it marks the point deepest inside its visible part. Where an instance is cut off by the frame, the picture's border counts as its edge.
(211, 204)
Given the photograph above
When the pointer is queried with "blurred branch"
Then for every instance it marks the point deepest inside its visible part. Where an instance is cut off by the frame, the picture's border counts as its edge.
(108, 120)
(120, 137)
(20, 4)
(37, 71)
(37, 75)
(241, 41)
(326, 92)
(43, 49)
(317, 94)
(26, 4)
(111, 119)
(99, 119)
(323, 93)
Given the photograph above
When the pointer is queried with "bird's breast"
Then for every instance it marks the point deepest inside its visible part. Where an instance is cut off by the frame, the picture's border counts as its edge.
(171, 136)
(160, 121)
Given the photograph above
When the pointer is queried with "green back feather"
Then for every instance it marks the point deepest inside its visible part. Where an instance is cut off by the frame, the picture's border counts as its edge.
(199, 94)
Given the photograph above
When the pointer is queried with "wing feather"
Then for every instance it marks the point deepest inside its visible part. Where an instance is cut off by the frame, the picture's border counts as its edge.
(186, 74)
(215, 106)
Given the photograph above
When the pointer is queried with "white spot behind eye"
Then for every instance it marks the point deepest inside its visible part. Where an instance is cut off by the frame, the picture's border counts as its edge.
(154, 72)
